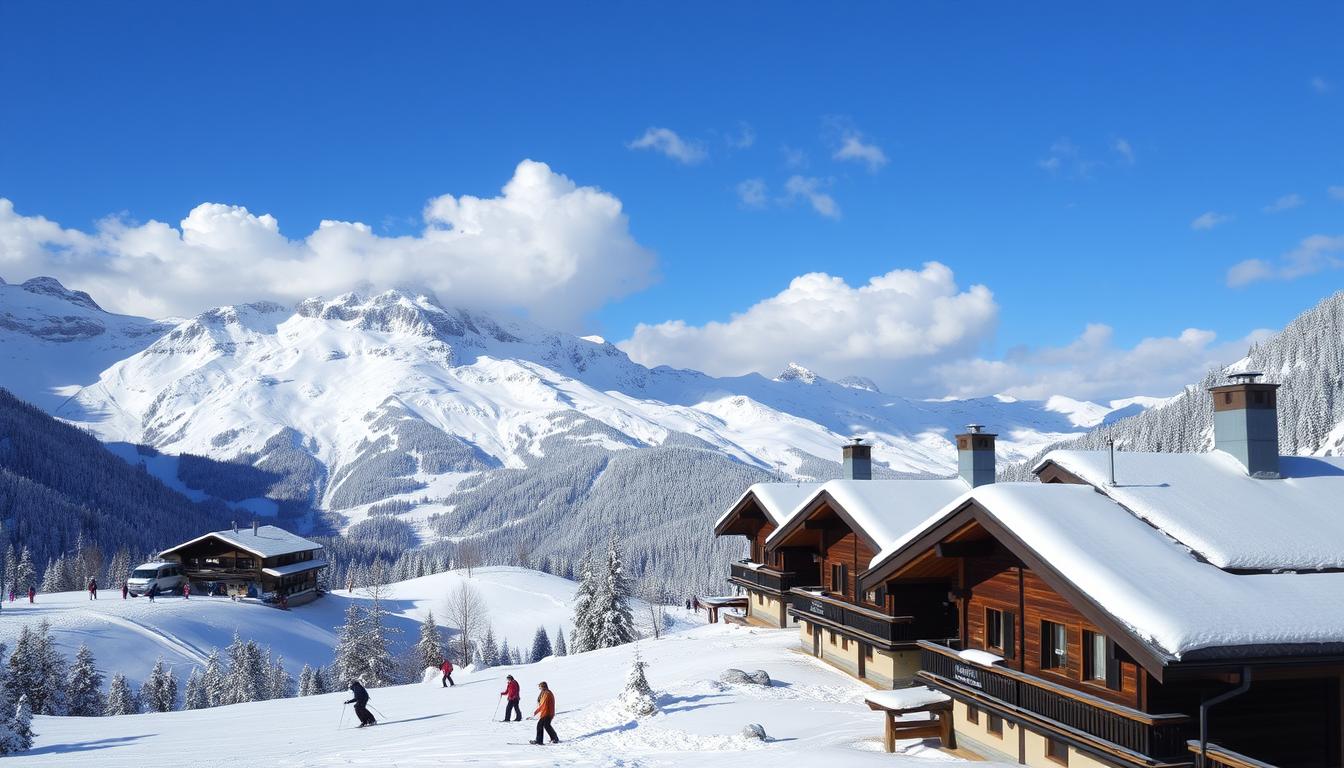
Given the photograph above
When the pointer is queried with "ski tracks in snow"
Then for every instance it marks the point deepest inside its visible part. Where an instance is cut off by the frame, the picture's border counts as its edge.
(166, 639)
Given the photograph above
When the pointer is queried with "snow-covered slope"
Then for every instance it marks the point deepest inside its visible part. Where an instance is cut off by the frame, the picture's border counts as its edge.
(812, 715)
(54, 340)
(128, 635)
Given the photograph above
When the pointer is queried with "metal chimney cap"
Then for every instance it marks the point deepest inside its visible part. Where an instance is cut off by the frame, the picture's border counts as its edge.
(1245, 377)
(856, 440)
(974, 429)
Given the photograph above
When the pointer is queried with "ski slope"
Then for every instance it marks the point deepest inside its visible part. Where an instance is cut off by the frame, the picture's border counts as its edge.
(812, 713)
(128, 635)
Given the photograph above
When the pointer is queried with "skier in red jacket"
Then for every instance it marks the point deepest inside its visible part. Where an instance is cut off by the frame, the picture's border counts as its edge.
(447, 668)
(511, 693)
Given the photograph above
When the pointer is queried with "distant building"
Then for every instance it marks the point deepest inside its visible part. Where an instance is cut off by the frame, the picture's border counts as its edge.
(263, 561)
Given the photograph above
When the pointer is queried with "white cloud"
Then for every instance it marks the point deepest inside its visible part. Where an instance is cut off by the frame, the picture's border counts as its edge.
(1208, 220)
(853, 147)
(809, 188)
(1321, 85)
(1336, 192)
(752, 193)
(1065, 159)
(1121, 147)
(793, 158)
(544, 244)
(1316, 253)
(1094, 367)
(1285, 203)
(667, 142)
(893, 325)
(744, 138)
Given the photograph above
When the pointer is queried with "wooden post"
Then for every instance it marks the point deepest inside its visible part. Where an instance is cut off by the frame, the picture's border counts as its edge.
(889, 734)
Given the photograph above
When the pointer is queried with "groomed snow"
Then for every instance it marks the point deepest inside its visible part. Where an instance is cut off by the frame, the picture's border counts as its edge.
(812, 715)
(1208, 502)
(1156, 586)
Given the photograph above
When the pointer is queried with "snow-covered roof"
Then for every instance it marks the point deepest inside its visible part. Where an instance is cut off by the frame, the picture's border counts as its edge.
(1207, 502)
(886, 510)
(779, 500)
(1153, 585)
(268, 541)
(293, 568)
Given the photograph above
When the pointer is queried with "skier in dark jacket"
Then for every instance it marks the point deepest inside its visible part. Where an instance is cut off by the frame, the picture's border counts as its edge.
(32, 593)
(447, 669)
(361, 701)
(93, 589)
(512, 695)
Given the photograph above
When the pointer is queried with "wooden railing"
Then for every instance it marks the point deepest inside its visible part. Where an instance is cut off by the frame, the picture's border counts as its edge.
(1219, 757)
(1156, 736)
(761, 576)
(808, 602)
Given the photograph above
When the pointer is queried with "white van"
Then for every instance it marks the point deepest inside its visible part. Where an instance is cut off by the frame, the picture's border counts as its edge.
(167, 575)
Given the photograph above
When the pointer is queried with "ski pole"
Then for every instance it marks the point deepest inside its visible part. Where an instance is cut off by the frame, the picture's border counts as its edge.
(342, 723)
(497, 701)
(379, 711)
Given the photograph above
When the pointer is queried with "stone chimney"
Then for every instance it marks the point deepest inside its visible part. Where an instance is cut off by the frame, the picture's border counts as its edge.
(254, 527)
(975, 456)
(858, 461)
(1246, 423)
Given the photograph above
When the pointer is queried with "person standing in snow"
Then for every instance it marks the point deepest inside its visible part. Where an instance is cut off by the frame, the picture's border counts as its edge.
(512, 695)
(93, 588)
(125, 590)
(545, 714)
(186, 590)
(447, 668)
(361, 702)
(32, 593)
(153, 592)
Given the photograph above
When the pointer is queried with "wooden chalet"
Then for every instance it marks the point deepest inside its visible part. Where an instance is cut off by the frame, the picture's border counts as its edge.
(766, 579)
(1141, 609)
(264, 562)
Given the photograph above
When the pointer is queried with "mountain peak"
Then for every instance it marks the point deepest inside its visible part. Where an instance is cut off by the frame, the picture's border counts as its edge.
(50, 286)
(859, 382)
(796, 372)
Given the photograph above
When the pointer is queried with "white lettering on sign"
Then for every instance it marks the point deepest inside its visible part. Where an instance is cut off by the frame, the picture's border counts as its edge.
(817, 607)
(967, 675)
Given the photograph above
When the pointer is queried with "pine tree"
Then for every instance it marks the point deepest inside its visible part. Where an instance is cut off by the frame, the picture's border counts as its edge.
(23, 725)
(321, 683)
(638, 697)
(159, 691)
(24, 574)
(118, 570)
(84, 686)
(11, 568)
(584, 637)
(613, 622)
(195, 696)
(282, 683)
(245, 679)
(429, 650)
(306, 681)
(505, 654)
(487, 655)
(348, 663)
(541, 645)
(120, 700)
(214, 680)
(560, 649)
(23, 667)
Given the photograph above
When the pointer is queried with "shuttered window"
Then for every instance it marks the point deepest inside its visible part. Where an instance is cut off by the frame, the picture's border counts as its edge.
(1054, 645)
(1100, 664)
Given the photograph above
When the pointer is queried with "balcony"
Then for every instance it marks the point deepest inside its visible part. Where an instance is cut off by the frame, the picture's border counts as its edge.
(813, 603)
(749, 574)
(1224, 758)
(1159, 737)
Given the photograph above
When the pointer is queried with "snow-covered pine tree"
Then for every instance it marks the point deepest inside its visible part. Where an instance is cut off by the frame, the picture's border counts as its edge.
(245, 679)
(117, 570)
(257, 674)
(25, 575)
(321, 681)
(541, 646)
(379, 667)
(518, 656)
(23, 668)
(584, 637)
(560, 649)
(306, 681)
(194, 695)
(23, 725)
(282, 683)
(613, 622)
(159, 691)
(505, 654)
(9, 737)
(638, 698)
(429, 649)
(120, 700)
(214, 680)
(47, 692)
(348, 663)
(488, 654)
(84, 686)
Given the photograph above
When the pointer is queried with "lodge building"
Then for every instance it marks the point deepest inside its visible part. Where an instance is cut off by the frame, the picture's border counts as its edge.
(266, 562)
(766, 579)
(1130, 609)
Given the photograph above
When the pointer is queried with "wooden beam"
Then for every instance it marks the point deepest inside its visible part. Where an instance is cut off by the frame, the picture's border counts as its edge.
(981, 548)
(819, 525)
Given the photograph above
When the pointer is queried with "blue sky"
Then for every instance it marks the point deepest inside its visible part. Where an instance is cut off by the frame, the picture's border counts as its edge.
(1100, 166)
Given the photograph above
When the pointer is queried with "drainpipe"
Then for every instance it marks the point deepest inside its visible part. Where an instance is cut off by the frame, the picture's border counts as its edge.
(1210, 704)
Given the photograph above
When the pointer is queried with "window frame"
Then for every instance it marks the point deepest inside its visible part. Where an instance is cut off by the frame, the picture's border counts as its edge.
(994, 726)
(972, 714)
(1054, 657)
(1052, 744)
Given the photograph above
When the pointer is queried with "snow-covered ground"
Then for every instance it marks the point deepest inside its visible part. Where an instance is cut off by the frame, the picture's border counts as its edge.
(128, 635)
(812, 713)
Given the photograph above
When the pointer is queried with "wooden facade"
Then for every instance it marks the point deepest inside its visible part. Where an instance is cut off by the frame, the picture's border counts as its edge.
(766, 577)
(272, 569)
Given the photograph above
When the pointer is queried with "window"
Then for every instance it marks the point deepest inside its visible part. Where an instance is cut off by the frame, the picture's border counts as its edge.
(839, 578)
(1100, 665)
(995, 725)
(876, 596)
(844, 643)
(972, 714)
(867, 651)
(1057, 751)
(830, 636)
(1227, 398)
(1054, 645)
(999, 632)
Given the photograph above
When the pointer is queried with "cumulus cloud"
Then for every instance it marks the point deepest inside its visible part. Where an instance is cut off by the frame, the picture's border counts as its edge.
(1285, 203)
(544, 244)
(809, 188)
(1316, 253)
(1094, 367)
(894, 324)
(854, 148)
(752, 193)
(667, 142)
(1208, 220)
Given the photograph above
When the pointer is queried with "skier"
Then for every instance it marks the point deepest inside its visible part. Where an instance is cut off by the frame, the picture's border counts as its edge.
(545, 714)
(93, 588)
(447, 668)
(125, 590)
(32, 593)
(361, 701)
(153, 592)
(511, 693)
(186, 590)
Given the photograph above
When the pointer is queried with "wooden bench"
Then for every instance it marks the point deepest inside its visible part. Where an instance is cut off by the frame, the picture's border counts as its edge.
(939, 726)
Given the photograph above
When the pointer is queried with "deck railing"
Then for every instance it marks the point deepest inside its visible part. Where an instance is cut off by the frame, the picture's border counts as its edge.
(1155, 736)
(763, 576)
(807, 602)
(1218, 757)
